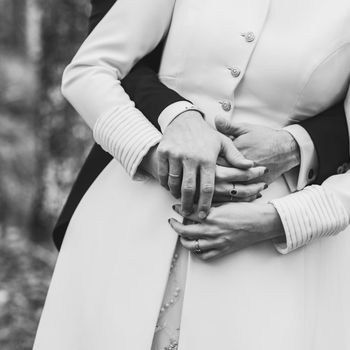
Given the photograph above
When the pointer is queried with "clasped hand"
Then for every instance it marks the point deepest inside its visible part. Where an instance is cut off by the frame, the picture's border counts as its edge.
(185, 162)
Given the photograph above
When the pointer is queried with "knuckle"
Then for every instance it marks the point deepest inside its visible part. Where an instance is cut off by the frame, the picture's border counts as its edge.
(245, 176)
(207, 162)
(189, 155)
(249, 175)
(207, 189)
(188, 187)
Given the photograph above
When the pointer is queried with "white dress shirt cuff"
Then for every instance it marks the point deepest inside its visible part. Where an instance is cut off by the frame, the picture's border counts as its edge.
(308, 159)
(173, 111)
(127, 135)
(309, 214)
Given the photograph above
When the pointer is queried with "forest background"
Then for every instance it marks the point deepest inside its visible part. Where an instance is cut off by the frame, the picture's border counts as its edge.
(43, 144)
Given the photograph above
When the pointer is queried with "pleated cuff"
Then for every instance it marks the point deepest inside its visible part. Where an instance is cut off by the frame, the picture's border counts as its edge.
(127, 135)
(309, 214)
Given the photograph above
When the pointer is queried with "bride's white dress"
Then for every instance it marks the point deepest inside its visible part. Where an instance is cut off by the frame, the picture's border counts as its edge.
(119, 283)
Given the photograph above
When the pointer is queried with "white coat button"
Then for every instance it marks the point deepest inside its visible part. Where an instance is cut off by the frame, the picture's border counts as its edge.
(249, 36)
(226, 105)
(235, 72)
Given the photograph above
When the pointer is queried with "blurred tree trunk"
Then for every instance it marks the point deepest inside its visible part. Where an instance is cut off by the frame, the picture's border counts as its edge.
(64, 26)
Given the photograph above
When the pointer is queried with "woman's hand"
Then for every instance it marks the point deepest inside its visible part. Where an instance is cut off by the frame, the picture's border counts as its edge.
(236, 185)
(228, 228)
(188, 152)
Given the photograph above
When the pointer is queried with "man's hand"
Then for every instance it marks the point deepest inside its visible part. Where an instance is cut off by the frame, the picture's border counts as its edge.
(231, 184)
(187, 157)
(277, 150)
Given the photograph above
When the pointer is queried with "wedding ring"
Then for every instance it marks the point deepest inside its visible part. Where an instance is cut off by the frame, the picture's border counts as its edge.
(197, 248)
(233, 192)
(173, 175)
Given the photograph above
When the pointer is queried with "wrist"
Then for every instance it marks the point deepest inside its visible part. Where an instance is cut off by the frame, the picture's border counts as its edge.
(149, 162)
(291, 148)
(273, 227)
(187, 116)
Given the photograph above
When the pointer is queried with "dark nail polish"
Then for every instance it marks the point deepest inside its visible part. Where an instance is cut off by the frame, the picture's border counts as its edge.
(233, 192)
(169, 221)
(259, 195)
(173, 206)
(266, 186)
(266, 171)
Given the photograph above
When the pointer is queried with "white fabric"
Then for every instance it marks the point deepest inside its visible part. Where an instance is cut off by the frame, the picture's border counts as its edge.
(308, 215)
(111, 274)
(308, 159)
(127, 136)
(173, 111)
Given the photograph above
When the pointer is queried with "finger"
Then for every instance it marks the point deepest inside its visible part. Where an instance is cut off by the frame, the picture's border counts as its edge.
(163, 169)
(228, 174)
(175, 177)
(207, 182)
(190, 218)
(188, 188)
(224, 199)
(191, 232)
(204, 244)
(231, 128)
(209, 255)
(243, 191)
(233, 156)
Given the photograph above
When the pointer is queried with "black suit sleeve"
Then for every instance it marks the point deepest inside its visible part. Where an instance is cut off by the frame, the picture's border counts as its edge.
(142, 83)
(329, 133)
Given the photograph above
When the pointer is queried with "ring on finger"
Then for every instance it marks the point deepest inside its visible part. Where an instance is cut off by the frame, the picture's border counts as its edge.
(197, 248)
(233, 192)
(173, 175)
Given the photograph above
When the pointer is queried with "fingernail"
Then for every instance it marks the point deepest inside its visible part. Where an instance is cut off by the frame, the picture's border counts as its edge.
(173, 206)
(266, 186)
(259, 195)
(233, 192)
(168, 221)
(202, 215)
(266, 171)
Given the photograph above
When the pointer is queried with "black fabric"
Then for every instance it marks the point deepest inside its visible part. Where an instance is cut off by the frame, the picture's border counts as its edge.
(328, 130)
(329, 133)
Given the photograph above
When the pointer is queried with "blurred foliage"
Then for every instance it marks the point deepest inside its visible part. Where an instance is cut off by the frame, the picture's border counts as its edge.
(43, 144)
(24, 275)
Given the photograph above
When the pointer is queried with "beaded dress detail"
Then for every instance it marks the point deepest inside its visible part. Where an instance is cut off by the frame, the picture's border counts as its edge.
(166, 336)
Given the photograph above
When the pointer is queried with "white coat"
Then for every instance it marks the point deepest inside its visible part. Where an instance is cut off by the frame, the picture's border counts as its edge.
(269, 62)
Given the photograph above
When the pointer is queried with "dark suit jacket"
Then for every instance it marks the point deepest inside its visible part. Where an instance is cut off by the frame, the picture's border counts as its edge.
(328, 130)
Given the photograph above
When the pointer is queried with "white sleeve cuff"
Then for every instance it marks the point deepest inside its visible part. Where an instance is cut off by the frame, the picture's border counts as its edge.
(127, 135)
(173, 111)
(309, 214)
(308, 159)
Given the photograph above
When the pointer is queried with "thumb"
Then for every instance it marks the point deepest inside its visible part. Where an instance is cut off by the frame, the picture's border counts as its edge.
(230, 128)
(233, 156)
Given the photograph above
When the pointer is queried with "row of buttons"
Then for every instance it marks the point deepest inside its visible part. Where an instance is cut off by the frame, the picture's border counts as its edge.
(236, 72)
